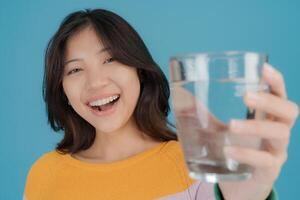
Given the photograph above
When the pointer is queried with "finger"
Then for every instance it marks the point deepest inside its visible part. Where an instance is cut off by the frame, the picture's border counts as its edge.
(189, 107)
(275, 79)
(264, 129)
(282, 109)
(276, 134)
(255, 158)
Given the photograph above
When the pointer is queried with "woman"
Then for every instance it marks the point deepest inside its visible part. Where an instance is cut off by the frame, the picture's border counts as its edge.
(105, 92)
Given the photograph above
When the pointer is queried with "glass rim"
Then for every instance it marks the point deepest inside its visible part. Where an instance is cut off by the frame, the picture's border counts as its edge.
(217, 54)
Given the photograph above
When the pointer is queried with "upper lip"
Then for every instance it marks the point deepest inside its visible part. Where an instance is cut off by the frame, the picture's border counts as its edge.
(99, 97)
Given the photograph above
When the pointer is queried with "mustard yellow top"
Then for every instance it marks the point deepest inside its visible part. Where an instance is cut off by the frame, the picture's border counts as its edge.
(159, 172)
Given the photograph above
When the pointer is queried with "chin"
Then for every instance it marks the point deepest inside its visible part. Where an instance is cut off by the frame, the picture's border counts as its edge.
(106, 130)
(108, 127)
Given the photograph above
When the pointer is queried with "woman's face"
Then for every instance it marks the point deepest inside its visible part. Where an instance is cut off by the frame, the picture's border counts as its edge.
(92, 79)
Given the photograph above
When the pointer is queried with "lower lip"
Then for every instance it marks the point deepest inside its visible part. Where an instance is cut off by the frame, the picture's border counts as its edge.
(110, 111)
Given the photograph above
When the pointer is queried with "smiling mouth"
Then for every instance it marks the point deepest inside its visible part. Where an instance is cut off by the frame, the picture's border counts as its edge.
(105, 106)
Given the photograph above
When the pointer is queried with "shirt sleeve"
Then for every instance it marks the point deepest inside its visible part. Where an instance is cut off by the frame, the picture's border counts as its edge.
(219, 196)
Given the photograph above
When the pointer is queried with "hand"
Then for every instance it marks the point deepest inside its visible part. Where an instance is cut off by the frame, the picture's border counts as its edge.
(275, 131)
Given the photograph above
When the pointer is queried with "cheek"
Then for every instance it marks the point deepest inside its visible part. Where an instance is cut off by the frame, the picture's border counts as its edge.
(131, 89)
(70, 91)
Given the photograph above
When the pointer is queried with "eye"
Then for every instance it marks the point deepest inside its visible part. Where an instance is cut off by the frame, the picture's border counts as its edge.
(74, 71)
(109, 60)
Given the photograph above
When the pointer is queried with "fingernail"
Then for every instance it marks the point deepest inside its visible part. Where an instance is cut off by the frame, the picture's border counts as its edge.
(252, 96)
(269, 69)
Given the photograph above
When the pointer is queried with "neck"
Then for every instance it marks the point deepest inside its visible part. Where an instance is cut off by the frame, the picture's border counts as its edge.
(117, 145)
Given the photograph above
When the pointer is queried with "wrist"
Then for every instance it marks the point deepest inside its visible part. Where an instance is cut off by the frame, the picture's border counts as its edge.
(231, 191)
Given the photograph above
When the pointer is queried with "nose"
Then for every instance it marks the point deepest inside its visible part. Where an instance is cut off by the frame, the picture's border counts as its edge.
(96, 78)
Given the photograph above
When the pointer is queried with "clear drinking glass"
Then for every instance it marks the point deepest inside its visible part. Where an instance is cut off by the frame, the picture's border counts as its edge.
(207, 91)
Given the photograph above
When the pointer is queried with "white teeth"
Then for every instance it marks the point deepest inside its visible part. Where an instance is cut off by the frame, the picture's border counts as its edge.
(102, 102)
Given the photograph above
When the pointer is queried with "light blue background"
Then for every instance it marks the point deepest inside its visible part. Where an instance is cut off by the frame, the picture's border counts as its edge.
(167, 27)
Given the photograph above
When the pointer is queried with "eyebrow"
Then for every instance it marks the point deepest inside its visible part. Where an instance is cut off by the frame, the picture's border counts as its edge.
(80, 59)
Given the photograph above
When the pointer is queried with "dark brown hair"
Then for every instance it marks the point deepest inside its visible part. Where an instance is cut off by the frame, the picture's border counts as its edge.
(125, 46)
